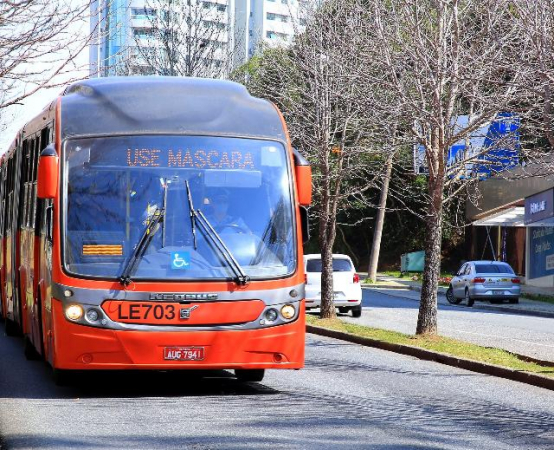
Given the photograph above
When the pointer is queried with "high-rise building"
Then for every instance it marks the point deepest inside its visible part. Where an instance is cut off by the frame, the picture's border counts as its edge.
(186, 37)
(265, 22)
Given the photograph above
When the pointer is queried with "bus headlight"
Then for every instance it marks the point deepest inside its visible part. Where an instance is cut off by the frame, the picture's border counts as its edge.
(92, 315)
(74, 312)
(271, 315)
(288, 311)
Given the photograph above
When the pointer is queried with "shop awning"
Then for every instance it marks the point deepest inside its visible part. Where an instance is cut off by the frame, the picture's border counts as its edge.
(509, 217)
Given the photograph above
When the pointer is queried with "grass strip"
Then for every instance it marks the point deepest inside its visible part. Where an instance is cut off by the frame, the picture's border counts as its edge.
(539, 297)
(439, 344)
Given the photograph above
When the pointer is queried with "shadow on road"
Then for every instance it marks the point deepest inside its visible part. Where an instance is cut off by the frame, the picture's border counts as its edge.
(20, 378)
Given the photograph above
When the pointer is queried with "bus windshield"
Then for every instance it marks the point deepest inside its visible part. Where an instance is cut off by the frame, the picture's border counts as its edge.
(114, 187)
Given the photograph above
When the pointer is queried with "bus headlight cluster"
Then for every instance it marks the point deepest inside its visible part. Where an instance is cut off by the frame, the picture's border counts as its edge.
(74, 312)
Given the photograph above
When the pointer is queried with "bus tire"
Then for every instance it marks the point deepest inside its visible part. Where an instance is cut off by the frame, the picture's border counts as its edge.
(250, 374)
(11, 328)
(61, 377)
(29, 350)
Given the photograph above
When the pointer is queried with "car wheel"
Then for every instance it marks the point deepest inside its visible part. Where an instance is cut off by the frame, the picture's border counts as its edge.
(450, 296)
(357, 311)
(250, 374)
(470, 301)
(514, 300)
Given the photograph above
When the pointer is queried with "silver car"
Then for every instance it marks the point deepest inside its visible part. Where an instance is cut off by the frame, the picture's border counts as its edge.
(484, 280)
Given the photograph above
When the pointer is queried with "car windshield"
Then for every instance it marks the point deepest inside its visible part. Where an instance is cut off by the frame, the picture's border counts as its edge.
(339, 265)
(493, 268)
(114, 186)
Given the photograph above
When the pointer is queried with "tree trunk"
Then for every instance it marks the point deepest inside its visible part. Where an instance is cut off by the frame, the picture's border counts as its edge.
(327, 297)
(376, 245)
(327, 234)
(427, 318)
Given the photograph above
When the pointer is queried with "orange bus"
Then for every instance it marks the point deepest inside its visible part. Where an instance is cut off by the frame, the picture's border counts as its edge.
(155, 223)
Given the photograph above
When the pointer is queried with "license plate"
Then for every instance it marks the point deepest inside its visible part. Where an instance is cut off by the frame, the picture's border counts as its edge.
(184, 353)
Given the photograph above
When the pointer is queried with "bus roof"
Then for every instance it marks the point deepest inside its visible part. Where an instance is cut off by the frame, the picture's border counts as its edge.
(166, 105)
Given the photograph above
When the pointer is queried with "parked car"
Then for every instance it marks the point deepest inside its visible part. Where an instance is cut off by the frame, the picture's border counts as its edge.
(346, 284)
(484, 280)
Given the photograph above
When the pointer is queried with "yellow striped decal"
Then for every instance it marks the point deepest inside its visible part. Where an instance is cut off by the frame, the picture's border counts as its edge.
(102, 250)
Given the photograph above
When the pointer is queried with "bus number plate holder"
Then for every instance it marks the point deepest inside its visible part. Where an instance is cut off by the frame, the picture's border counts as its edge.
(184, 353)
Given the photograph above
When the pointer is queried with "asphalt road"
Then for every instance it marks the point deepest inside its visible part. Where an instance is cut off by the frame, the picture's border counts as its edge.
(348, 397)
(397, 310)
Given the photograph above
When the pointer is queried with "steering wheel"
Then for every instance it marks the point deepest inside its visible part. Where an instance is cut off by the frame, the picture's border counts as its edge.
(235, 227)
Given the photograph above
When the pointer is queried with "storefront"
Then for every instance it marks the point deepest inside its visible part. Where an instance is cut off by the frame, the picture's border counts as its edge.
(539, 221)
(514, 222)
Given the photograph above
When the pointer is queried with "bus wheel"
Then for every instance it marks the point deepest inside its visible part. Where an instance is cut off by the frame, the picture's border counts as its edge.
(250, 374)
(61, 377)
(29, 350)
(11, 328)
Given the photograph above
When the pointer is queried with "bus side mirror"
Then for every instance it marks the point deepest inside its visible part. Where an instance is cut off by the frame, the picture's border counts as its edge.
(303, 173)
(47, 182)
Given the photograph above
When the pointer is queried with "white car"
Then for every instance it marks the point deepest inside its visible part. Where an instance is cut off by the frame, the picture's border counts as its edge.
(346, 284)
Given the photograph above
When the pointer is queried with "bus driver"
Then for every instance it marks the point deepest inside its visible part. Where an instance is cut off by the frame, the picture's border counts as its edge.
(219, 217)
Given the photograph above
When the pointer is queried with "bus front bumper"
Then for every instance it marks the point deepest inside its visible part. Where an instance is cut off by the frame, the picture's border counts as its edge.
(78, 347)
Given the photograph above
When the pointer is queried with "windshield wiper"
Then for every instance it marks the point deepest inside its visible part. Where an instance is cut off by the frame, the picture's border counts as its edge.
(240, 276)
(192, 215)
(145, 240)
(197, 216)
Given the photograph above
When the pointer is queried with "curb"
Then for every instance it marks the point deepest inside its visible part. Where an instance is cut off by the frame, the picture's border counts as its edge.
(383, 286)
(522, 312)
(467, 364)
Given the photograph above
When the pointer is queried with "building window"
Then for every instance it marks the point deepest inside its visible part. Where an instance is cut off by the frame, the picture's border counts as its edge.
(217, 25)
(143, 13)
(218, 6)
(277, 17)
(275, 35)
(142, 33)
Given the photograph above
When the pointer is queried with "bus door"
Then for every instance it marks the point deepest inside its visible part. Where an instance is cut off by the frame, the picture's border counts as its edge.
(44, 289)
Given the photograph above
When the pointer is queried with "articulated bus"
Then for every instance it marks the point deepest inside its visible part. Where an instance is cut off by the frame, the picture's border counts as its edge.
(155, 223)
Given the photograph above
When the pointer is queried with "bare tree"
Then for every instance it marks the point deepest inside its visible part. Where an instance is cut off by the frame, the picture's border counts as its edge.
(534, 21)
(184, 38)
(38, 44)
(315, 84)
(440, 60)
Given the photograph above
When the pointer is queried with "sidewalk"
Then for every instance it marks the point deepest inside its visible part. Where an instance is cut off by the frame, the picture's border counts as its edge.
(525, 306)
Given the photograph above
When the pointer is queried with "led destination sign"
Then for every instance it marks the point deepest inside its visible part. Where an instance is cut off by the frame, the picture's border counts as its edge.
(191, 159)
(177, 152)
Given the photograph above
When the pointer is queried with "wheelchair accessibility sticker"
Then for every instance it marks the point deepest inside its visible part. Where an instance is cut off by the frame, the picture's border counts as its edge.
(180, 260)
